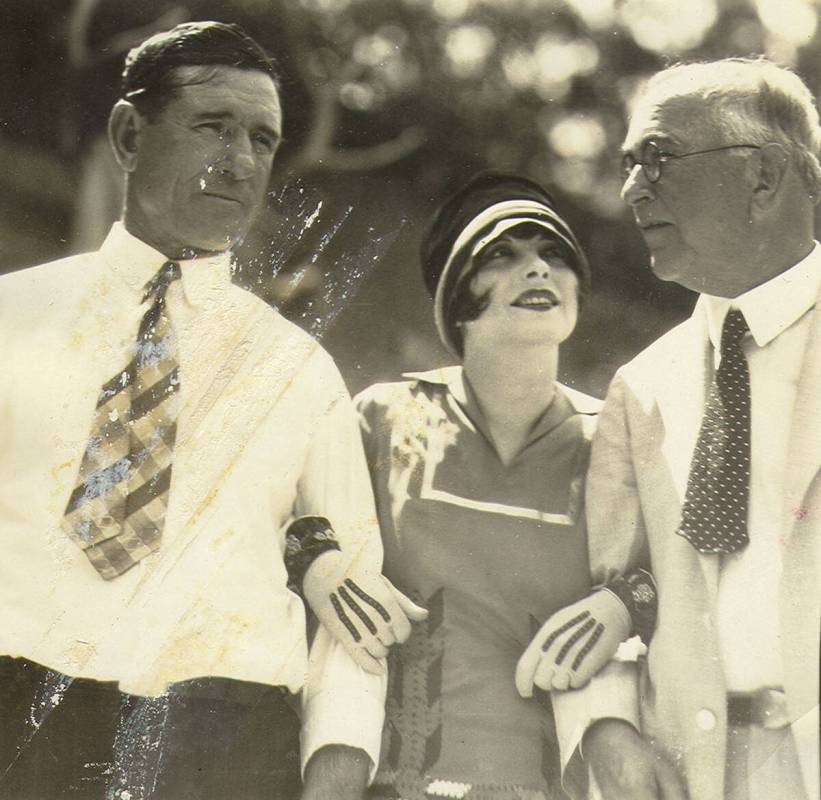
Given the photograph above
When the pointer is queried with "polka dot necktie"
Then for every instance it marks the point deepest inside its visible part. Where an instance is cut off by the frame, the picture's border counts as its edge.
(116, 512)
(714, 516)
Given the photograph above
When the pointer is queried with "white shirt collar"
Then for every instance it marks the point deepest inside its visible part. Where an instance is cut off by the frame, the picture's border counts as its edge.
(137, 262)
(771, 307)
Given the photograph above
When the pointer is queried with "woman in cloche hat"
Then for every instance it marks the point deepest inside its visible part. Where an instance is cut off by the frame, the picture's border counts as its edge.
(478, 471)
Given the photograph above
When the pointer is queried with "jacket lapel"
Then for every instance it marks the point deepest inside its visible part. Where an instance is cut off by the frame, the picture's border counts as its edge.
(681, 404)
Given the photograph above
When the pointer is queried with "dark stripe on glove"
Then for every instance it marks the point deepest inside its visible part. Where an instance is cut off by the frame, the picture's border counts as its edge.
(588, 646)
(573, 639)
(345, 620)
(365, 597)
(357, 609)
(566, 627)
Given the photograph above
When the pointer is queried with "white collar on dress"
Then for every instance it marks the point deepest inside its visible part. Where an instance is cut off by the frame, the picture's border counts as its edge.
(453, 378)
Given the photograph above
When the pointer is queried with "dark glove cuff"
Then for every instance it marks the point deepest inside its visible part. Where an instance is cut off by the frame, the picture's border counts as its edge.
(637, 590)
(305, 539)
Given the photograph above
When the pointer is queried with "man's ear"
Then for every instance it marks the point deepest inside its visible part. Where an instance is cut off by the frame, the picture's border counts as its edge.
(770, 169)
(125, 124)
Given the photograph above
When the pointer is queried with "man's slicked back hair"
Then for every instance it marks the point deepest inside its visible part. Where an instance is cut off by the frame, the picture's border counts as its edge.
(151, 75)
(751, 100)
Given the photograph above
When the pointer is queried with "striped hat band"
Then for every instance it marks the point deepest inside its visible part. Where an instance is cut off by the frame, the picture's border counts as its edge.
(482, 229)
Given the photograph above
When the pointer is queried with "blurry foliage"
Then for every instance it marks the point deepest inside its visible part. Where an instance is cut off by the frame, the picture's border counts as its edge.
(388, 103)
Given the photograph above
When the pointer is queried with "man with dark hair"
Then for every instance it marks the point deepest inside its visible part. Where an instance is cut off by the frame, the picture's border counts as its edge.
(150, 75)
(163, 432)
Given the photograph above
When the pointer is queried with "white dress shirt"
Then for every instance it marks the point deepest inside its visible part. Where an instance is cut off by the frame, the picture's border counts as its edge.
(776, 313)
(265, 433)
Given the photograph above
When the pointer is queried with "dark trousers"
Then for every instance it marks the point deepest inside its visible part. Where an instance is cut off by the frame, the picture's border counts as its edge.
(205, 739)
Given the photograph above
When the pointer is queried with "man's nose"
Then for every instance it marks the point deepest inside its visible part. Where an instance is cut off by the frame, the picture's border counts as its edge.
(238, 158)
(636, 187)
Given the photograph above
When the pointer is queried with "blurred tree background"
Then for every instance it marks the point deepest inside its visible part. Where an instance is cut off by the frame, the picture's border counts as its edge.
(388, 104)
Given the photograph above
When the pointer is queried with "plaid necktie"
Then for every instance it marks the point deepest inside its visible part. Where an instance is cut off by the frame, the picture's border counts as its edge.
(714, 516)
(117, 509)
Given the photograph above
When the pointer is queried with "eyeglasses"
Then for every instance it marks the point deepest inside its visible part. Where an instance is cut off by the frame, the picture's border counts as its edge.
(652, 157)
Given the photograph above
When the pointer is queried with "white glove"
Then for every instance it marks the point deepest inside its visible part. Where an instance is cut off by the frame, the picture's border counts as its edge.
(574, 644)
(360, 607)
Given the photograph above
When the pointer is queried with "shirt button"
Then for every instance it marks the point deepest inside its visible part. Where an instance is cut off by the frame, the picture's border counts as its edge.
(705, 719)
(106, 521)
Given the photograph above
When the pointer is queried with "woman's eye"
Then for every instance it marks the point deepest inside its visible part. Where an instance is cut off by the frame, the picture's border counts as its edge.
(553, 253)
(496, 251)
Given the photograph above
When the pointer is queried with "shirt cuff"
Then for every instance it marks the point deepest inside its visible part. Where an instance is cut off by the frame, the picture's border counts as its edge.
(612, 694)
(341, 704)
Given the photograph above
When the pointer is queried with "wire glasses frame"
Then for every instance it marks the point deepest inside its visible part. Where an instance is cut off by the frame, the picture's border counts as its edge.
(652, 157)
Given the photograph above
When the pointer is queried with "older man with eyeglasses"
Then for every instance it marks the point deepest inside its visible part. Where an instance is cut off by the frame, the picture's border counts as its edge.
(706, 467)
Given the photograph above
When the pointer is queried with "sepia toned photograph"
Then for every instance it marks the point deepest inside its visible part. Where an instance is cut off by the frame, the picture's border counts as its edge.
(410, 399)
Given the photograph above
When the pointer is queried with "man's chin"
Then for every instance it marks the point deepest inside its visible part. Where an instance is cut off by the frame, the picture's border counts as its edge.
(663, 268)
(219, 240)
(686, 274)
(219, 231)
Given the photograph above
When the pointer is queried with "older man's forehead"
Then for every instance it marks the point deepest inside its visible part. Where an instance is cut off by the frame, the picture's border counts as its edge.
(677, 121)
